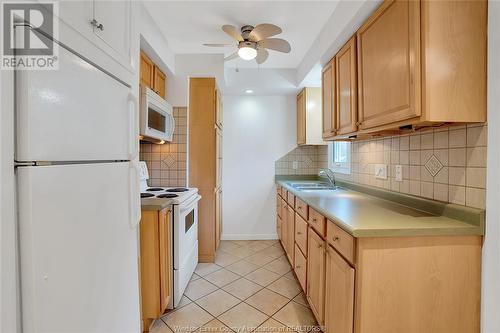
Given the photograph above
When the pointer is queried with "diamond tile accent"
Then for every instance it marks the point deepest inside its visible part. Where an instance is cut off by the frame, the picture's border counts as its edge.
(170, 160)
(433, 165)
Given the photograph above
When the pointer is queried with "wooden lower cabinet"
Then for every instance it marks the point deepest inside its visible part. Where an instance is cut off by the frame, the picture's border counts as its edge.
(156, 264)
(300, 267)
(316, 274)
(218, 216)
(339, 294)
(290, 234)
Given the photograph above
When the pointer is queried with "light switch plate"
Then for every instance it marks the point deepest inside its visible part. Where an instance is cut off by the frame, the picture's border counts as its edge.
(381, 171)
(295, 165)
(399, 173)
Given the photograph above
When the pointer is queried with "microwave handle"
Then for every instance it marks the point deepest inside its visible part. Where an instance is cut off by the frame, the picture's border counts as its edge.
(172, 126)
(134, 136)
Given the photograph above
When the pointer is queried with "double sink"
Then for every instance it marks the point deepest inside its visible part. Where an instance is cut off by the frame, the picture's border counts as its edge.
(313, 186)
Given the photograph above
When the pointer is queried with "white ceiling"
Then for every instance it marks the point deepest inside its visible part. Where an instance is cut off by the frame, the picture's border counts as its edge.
(188, 24)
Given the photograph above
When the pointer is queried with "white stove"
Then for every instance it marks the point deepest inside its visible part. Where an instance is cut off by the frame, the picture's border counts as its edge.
(185, 228)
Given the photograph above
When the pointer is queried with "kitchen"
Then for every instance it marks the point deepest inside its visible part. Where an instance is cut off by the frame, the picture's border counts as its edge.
(329, 165)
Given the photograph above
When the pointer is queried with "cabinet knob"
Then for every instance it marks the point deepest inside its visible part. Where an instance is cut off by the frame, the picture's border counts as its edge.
(96, 24)
(299, 233)
(297, 267)
(320, 246)
(299, 208)
(335, 238)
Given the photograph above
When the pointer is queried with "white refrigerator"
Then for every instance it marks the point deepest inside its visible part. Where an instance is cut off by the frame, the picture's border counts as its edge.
(78, 199)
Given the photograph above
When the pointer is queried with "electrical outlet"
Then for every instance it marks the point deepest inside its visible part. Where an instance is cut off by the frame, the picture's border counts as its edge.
(399, 173)
(381, 171)
(295, 165)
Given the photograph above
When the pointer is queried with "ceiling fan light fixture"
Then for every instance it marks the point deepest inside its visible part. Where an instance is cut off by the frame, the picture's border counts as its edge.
(247, 52)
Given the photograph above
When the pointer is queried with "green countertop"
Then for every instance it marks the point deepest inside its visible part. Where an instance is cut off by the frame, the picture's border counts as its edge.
(368, 212)
(155, 203)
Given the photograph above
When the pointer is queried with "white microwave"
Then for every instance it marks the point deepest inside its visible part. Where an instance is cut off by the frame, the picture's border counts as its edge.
(156, 116)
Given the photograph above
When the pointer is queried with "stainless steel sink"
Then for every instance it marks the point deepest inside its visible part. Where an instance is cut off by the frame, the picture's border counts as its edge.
(313, 186)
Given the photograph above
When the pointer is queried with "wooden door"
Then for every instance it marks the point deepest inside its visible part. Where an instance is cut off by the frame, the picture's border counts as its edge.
(301, 117)
(147, 69)
(339, 294)
(159, 82)
(290, 234)
(347, 102)
(389, 64)
(218, 217)
(328, 92)
(316, 274)
(165, 254)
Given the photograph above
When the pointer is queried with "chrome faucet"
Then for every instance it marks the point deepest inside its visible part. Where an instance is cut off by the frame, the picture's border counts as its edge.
(328, 174)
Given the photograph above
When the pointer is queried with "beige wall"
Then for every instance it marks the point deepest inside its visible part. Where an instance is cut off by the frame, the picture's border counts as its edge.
(461, 150)
(167, 162)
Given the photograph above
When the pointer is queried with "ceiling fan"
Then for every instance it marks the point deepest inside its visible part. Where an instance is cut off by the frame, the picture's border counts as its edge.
(253, 42)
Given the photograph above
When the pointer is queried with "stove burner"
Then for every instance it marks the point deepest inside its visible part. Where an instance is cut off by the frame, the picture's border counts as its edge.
(154, 189)
(147, 195)
(178, 189)
(167, 195)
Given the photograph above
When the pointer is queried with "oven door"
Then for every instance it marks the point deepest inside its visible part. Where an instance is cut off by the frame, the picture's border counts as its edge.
(186, 233)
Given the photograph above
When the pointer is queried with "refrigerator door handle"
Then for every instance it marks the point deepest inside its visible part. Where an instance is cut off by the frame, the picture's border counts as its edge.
(135, 201)
(133, 130)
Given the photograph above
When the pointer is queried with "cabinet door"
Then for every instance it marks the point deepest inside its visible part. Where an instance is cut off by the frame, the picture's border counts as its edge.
(339, 295)
(345, 74)
(147, 70)
(389, 64)
(290, 234)
(159, 82)
(218, 109)
(115, 17)
(166, 265)
(316, 274)
(218, 217)
(328, 99)
(301, 117)
(300, 267)
(284, 223)
(218, 157)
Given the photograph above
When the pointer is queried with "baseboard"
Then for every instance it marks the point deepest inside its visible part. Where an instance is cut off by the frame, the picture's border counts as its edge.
(249, 236)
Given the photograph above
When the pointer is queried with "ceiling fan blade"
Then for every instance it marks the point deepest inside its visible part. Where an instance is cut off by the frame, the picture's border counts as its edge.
(262, 55)
(276, 44)
(232, 31)
(232, 56)
(264, 30)
(217, 45)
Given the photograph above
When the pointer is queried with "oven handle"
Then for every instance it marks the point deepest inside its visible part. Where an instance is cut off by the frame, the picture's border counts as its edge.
(188, 206)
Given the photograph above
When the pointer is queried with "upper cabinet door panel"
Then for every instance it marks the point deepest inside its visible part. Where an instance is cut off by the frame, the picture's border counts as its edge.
(328, 97)
(389, 64)
(301, 117)
(347, 111)
(115, 18)
(147, 69)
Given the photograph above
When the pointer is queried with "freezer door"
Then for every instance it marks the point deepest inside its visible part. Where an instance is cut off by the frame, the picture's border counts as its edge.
(75, 113)
(79, 248)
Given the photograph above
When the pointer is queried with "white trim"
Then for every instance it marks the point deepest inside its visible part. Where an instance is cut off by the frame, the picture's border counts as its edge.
(346, 170)
(249, 236)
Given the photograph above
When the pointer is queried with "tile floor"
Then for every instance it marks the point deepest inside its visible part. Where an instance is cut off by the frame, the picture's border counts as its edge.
(250, 287)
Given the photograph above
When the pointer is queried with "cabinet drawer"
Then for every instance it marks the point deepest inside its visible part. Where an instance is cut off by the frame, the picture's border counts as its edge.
(301, 208)
(290, 198)
(300, 267)
(301, 233)
(341, 241)
(317, 221)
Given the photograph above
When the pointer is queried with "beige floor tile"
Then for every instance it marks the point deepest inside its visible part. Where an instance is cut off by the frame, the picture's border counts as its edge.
(184, 301)
(242, 242)
(286, 287)
(224, 259)
(271, 326)
(227, 246)
(242, 267)
(199, 288)
(290, 275)
(242, 288)
(217, 302)
(267, 301)
(259, 259)
(221, 277)
(301, 299)
(242, 252)
(296, 316)
(159, 327)
(243, 318)
(194, 277)
(214, 326)
(262, 276)
(279, 266)
(274, 251)
(187, 319)
(203, 269)
(259, 245)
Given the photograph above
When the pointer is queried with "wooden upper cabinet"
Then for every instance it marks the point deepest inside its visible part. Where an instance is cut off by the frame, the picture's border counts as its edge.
(347, 101)
(160, 82)
(328, 99)
(147, 71)
(339, 294)
(389, 64)
(301, 117)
